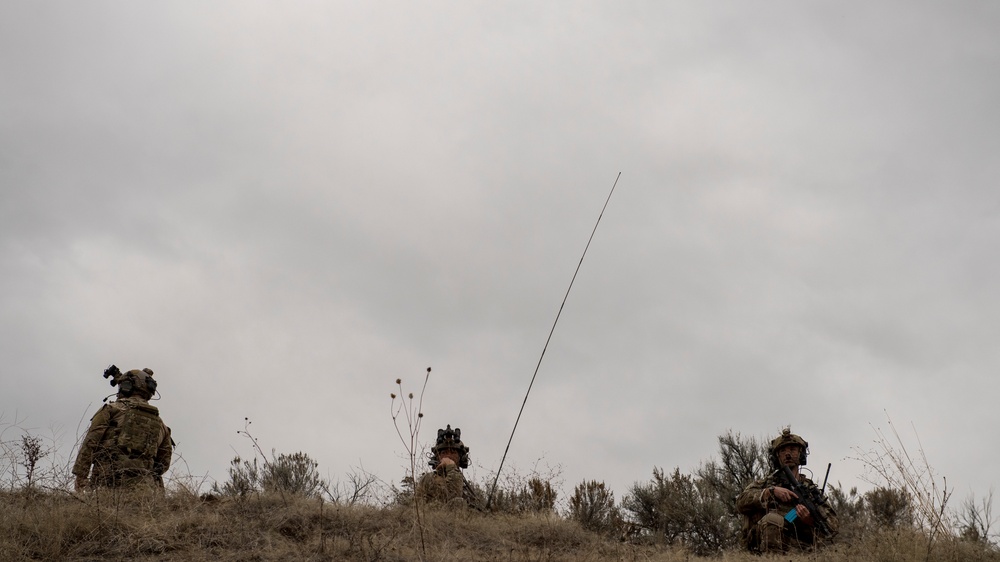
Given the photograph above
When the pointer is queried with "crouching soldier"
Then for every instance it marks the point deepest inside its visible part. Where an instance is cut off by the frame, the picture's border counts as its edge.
(445, 484)
(127, 445)
(781, 514)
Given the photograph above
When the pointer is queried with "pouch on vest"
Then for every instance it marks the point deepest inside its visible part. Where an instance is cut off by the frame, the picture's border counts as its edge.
(139, 432)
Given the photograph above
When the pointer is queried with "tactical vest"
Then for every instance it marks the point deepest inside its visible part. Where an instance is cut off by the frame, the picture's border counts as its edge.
(138, 436)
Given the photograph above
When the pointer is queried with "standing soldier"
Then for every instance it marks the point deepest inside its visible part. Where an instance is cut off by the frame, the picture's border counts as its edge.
(445, 484)
(127, 443)
(776, 510)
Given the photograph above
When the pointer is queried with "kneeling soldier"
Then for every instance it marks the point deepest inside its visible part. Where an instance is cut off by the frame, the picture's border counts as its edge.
(778, 512)
(445, 484)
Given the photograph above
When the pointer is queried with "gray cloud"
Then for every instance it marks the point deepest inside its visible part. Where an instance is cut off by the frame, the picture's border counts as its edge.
(282, 209)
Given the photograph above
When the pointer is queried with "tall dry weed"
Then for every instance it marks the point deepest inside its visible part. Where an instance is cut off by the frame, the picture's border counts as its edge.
(412, 410)
(889, 463)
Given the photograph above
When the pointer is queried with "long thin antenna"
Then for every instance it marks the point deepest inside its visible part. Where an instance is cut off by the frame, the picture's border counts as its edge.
(489, 501)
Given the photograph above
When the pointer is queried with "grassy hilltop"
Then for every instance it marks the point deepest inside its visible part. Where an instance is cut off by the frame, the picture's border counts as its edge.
(279, 508)
(272, 526)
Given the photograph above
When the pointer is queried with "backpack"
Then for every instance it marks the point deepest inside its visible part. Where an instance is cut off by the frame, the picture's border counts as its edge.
(139, 432)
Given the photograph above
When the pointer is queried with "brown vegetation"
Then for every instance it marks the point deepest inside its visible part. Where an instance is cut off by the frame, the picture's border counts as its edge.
(109, 525)
(279, 508)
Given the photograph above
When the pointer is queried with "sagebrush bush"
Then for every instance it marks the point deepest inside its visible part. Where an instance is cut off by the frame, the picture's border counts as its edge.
(889, 508)
(534, 495)
(681, 510)
(294, 474)
(741, 461)
(592, 505)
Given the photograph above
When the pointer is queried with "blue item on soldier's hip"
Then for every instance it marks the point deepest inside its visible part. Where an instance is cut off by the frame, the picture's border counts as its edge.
(791, 515)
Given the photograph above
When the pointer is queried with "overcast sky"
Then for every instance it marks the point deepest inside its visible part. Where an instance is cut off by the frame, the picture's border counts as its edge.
(281, 208)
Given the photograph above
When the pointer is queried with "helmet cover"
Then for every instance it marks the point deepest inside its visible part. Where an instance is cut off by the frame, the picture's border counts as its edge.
(788, 438)
(137, 382)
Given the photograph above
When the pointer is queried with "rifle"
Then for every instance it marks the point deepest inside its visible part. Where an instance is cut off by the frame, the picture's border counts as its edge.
(805, 498)
(474, 504)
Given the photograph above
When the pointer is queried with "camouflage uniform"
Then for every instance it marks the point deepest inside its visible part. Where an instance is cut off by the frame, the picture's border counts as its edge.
(127, 443)
(445, 484)
(442, 485)
(764, 526)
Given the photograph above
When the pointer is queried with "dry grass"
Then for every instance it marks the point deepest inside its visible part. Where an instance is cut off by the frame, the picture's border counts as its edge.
(368, 521)
(181, 526)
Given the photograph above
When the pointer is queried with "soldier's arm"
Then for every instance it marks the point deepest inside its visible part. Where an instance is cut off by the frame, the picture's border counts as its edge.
(454, 481)
(164, 453)
(99, 425)
(754, 498)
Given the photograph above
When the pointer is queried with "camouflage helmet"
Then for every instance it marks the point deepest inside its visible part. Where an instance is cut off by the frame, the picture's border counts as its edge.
(136, 382)
(449, 438)
(787, 438)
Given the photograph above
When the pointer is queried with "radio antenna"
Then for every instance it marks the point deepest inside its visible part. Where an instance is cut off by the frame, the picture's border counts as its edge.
(493, 488)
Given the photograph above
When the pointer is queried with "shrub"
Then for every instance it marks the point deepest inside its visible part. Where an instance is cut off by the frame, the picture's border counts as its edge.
(742, 460)
(889, 507)
(31, 453)
(532, 496)
(244, 479)
(699, 510)
(681, 509)
(593, 506)
(293, 474)
(851, 512)
(976, 521)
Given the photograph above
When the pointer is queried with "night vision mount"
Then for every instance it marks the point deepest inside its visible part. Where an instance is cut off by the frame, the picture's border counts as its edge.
(449, 435)
(114, 373)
